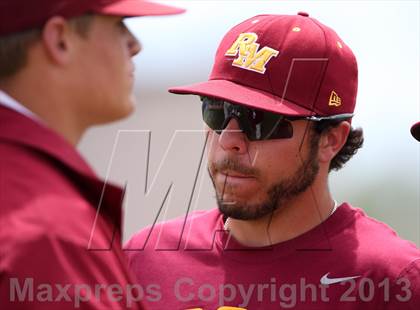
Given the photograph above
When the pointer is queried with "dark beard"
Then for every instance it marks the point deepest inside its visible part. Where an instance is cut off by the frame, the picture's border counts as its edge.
(280, 193)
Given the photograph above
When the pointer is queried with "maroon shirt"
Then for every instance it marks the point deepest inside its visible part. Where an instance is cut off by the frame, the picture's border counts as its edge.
(60, 228)
(350, 261)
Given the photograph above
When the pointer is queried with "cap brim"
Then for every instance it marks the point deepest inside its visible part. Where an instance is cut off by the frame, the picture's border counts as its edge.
(133, 8)
(229, 91)
(415, 131)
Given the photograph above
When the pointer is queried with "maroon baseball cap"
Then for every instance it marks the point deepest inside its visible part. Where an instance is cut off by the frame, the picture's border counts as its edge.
(415, 131)
(288, 64)
(20, 15)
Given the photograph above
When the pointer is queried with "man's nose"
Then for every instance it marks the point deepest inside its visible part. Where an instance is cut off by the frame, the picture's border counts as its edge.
(134, 45)
(233, 138)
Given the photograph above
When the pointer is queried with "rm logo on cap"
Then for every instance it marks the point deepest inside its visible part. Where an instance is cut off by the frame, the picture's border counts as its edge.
(250, 58)
(335, 100)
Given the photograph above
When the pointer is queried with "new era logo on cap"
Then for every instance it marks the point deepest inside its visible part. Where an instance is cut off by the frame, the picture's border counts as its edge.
(288, 64)
(335, 100)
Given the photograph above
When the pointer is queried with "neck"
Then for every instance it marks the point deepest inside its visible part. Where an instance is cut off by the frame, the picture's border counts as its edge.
(48, 104)
(301, 214)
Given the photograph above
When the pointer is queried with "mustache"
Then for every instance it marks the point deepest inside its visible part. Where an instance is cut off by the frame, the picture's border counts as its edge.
(233, 165)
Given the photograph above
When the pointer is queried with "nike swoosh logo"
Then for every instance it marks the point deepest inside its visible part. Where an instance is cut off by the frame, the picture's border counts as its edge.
(327, 281)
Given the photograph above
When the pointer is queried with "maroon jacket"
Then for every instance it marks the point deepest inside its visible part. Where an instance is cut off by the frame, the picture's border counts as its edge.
(60, 227)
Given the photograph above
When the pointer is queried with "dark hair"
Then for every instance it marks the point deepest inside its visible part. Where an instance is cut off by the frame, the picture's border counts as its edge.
(14, 47)
(353, 143)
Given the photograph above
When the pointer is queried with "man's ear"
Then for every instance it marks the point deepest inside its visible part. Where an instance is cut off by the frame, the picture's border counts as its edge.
(332, 140)
(57, 39)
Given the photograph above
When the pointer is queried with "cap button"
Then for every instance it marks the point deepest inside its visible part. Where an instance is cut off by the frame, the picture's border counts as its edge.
(303, 14)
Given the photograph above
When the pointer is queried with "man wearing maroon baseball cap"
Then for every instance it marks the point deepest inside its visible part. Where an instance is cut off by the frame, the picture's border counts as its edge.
(415, 131)
(278, 107)
(65, 65)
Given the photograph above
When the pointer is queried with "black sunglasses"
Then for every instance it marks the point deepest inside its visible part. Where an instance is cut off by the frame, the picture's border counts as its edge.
(255, 123)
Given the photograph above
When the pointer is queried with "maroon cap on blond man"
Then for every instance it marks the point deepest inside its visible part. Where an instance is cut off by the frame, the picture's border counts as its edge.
(21, 15)
(288, 64)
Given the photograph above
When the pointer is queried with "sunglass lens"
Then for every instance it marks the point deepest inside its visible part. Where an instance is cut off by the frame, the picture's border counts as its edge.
(213, 113)
(266, 125)
(283, 130)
